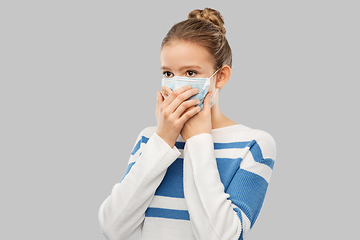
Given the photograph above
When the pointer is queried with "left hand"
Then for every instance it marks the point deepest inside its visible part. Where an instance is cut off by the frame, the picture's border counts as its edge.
(199, 123)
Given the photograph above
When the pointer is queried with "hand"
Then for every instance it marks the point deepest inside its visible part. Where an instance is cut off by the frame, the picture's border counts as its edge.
(174, 111)
(200, 123)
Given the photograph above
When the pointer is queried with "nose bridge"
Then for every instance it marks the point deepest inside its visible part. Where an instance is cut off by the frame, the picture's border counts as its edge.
(176, 73)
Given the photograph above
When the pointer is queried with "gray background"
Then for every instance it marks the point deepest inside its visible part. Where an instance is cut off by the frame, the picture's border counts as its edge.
(79, 82)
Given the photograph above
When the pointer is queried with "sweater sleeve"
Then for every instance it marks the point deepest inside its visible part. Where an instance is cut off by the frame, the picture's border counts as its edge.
(216, 213)
(122, 213)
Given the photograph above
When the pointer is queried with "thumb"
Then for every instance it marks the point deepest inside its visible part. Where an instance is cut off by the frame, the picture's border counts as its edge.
(207, 102)
(159, 100)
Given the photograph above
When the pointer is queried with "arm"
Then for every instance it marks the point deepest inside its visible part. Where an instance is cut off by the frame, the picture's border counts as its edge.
(121, 215)
(216, 213)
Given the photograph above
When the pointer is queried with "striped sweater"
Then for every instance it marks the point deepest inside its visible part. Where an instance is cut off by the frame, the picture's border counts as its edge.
(211, 187)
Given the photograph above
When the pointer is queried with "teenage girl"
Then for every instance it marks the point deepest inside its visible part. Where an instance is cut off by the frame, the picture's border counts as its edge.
(197, 174)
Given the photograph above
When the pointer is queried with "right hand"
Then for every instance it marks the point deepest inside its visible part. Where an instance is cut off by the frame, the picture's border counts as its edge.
(174, 111)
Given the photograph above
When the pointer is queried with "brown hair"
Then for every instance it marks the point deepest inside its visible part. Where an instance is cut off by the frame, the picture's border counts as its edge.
(206, 28)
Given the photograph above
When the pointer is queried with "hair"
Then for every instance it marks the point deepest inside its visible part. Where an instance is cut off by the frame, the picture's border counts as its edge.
(206, 28)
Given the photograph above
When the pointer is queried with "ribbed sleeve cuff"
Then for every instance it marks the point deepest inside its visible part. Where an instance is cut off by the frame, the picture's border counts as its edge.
(163, 144)
(159, 149)
(200, 149)
(202, 142)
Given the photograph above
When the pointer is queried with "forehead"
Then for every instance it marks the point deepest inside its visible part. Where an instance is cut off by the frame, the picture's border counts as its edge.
(181, 53)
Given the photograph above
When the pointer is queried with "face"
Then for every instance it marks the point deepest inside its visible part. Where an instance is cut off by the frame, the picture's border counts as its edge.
(186, 59)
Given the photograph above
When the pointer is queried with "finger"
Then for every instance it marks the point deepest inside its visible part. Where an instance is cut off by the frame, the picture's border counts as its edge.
(189, 109)
(207, 102)
(185, 106)
(189, 114)
(180, 98)
(175, 94)
(165, 91)
(158, 103)
(159, 99)
(163, 94)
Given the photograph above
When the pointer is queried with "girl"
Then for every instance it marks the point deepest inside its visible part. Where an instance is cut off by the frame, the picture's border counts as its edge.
(197, 174)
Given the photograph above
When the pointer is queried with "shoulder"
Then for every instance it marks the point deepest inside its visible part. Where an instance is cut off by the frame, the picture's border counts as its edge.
(244, 134)
(240, 133)
(248, 134)
(148, 131)
(143, 138)
(144, 135)
(264, 140)
(260, 136)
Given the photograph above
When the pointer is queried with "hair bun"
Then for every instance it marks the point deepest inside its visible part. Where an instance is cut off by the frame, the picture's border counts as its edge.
(210, 15)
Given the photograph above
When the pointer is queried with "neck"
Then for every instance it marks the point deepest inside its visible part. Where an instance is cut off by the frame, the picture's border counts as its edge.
(218, 119)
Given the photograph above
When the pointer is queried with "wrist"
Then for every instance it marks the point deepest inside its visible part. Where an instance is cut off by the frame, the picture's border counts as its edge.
(188, 136)
(166, 139)
(198, 135)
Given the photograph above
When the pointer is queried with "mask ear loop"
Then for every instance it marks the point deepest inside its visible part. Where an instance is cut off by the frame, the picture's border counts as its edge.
(216, 88)
(214, 93)
(214, 73)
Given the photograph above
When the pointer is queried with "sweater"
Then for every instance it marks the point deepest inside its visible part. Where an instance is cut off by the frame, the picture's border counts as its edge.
(210, 187)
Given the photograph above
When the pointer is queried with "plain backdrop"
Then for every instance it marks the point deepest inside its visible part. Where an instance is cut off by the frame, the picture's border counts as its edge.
(79, 82)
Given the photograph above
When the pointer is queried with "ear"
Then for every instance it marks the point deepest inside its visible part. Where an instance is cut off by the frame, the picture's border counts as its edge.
(223, 76)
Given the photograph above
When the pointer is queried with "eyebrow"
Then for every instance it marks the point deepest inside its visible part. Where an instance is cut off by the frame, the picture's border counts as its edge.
(182, 68)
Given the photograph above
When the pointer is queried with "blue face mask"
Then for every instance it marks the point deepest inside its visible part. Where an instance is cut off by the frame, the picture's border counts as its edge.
(200, 83)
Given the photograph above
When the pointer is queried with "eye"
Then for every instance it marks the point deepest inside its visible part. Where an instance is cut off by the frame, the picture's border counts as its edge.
(191, 73)
(167, 74)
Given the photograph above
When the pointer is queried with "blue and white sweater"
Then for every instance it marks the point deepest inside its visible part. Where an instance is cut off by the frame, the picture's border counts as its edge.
(211, 187)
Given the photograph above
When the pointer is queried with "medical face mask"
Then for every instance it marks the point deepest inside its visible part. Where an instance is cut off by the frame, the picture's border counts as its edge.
(200, 83)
